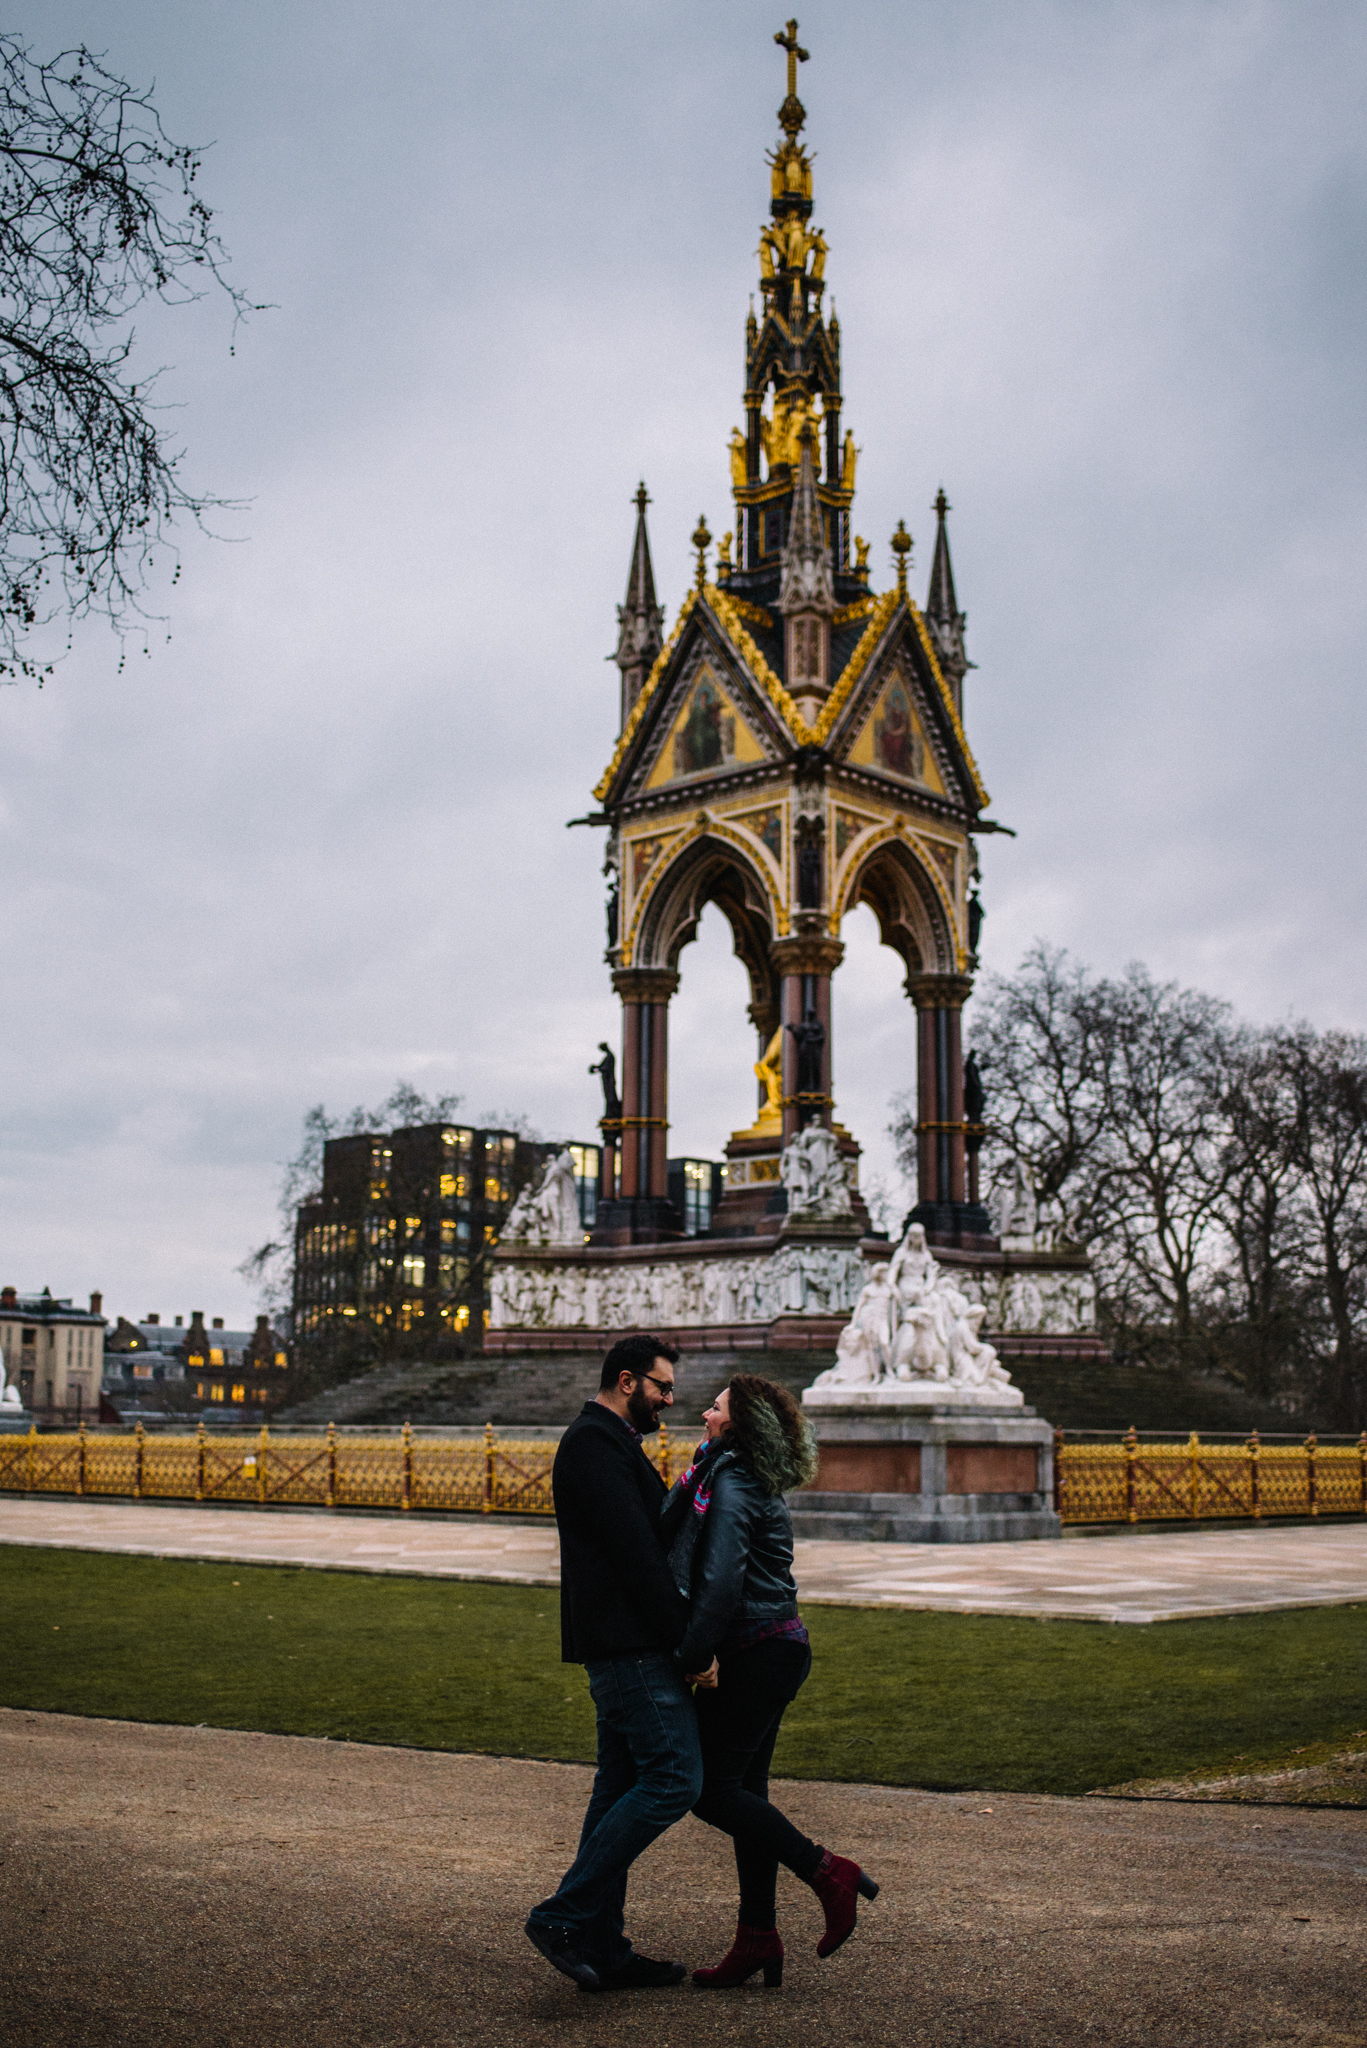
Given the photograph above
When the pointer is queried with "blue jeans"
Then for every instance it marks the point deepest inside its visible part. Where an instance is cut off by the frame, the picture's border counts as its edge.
(649, 1774)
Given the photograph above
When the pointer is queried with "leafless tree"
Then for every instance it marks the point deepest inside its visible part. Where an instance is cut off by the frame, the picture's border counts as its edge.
(99, 211)
(1327, 1076)
(1217, 1174)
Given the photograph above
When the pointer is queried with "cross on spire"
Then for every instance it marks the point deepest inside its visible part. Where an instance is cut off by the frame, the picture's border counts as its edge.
(796, 54)
(792, 113)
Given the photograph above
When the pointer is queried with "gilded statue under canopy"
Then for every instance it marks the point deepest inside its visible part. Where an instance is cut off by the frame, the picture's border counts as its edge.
(740, 468)
(769, 1073)
(782, 436)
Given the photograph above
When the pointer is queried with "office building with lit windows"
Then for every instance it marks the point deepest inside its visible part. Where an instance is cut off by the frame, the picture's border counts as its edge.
(398, 1235)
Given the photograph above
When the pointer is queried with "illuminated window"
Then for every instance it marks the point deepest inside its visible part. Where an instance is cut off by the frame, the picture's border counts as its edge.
(486, 1318)
(490, 1234)
(448, 1184)
(260, 1394)
(463, 1316)
(414, 1270)
(239, 1393)
(199, 1391)
(280, 1357)
(215, 1357)
(448, 1230)
(216, 1392)
(493, 1188)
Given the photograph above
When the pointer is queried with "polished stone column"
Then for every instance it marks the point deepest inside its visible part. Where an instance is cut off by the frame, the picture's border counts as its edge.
(943, 1205)
(639, 1211)
(805, 965)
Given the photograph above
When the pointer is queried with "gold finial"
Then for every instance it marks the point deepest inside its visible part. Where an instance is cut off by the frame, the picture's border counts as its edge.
(792, 113)
(901, 547)
(861, 557)
(702, 541)
(724, 558)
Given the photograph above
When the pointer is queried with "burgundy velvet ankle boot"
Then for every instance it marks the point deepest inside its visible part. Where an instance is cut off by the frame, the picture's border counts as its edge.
(754, 1948)
(839, 1884)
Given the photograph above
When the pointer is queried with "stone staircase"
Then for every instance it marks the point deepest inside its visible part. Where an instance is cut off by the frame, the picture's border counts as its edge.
(535, 1392)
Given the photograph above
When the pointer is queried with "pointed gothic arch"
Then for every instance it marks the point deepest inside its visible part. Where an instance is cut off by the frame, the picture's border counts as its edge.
(713, 867)
(908, 903)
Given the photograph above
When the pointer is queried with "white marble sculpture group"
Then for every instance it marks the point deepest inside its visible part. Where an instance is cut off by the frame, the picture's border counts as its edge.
(914, 1332)
(815, 1176)
(547, 1210)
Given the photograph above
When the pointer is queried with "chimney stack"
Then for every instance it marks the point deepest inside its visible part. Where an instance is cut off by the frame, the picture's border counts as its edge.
(97, 1303)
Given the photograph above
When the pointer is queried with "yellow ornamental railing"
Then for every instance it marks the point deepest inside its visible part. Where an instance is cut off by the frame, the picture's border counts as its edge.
(492, 1475)
(1130, 1481)
(1124, 1480)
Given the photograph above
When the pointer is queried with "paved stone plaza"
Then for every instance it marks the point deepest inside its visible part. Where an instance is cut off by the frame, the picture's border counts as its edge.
(200, 1889)
(1128, 1575)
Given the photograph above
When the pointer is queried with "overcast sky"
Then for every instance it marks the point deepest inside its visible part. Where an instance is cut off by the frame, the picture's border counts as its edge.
(1099, 270)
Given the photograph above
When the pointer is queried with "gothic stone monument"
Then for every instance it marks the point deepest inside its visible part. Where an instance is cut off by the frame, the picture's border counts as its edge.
(794, 747)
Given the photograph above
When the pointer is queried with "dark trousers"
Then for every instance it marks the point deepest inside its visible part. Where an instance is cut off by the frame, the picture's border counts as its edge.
(738, 1725)
(648, 1777)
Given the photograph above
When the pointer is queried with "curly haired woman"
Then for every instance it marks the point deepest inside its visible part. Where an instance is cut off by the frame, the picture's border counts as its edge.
(729, 1539)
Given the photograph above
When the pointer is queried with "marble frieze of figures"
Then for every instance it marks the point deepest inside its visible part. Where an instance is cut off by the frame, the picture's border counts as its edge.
(794, 1280)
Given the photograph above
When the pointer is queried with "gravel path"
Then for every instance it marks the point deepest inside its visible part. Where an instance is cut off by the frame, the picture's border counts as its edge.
(192, 1888)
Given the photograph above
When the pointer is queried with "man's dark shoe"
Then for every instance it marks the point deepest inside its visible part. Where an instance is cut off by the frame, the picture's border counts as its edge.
(561, 1947)
(638, 1973)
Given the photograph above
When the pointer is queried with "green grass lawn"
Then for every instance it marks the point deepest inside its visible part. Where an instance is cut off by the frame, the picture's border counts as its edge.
(941, 1700)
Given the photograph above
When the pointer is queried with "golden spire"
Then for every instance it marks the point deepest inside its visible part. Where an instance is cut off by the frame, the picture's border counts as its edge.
(702, 540)
(792, 113)
(901, 547)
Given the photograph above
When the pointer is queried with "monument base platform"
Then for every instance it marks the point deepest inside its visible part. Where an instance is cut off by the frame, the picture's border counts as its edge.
(908, 1472)
(923, 1517)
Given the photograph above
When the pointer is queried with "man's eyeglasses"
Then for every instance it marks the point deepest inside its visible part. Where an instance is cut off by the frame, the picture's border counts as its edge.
(666, 1387)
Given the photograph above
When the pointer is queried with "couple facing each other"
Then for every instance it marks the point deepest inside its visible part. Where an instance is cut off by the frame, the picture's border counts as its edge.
(662, 1591)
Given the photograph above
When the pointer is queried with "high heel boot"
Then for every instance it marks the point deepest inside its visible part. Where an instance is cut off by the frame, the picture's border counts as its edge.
(754, 1948)
(839, 1884)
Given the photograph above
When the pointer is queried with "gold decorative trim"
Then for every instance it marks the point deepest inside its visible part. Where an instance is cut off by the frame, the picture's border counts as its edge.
(730, 618)
(848, 613)
(947, 697)
(883, 609)
(638, 709)
(753, 614)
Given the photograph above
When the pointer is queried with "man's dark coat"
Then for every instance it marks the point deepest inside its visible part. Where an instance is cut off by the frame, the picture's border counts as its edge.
(617, 1596)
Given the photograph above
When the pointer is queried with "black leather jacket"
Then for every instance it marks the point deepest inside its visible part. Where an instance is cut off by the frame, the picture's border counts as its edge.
(738, 1566)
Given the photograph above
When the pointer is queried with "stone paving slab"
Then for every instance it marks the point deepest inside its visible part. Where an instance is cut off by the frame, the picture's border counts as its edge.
(200, 1888)
(1131, 1576)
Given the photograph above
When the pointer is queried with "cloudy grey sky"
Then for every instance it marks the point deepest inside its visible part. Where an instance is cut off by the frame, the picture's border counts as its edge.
(1099, 269)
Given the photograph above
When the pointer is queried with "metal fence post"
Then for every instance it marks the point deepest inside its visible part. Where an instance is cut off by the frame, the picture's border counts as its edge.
(32, 1456)
(1058, 1471)
(1255, 1451)
(1131, 1453)
(408, 1465)
(332, 1464)
(199, 1464)
(1311, 1446)
(1193, 1451)
(1362, 1463)
(488, 1501)
(138, 1462)
(261, 1463)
